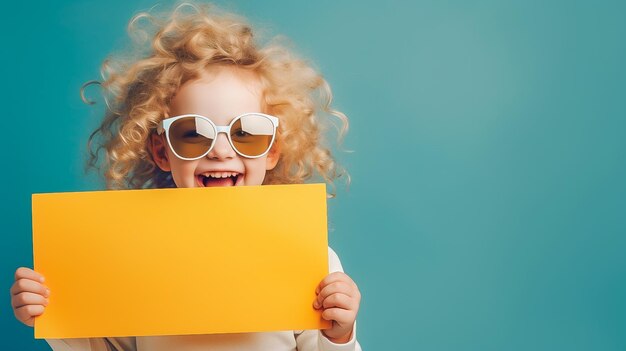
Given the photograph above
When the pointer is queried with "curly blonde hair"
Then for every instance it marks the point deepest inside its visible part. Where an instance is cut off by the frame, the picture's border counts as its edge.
(175, 48)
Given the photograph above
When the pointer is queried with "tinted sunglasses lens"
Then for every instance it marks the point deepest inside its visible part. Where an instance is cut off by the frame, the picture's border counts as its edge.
(191, 136)
(252, 134)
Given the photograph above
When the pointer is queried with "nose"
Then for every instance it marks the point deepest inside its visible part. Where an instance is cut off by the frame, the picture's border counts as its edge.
(222, 149)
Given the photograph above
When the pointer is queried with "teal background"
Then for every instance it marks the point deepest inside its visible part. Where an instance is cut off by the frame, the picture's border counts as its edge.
(486, 210)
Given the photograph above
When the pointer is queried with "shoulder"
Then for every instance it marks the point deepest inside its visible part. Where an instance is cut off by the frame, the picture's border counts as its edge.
(334, 264)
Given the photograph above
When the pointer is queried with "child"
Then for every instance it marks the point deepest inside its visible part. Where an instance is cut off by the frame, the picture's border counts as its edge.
(207, 107)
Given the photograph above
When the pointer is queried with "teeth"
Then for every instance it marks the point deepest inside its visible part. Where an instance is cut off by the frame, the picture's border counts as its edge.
(219, 174)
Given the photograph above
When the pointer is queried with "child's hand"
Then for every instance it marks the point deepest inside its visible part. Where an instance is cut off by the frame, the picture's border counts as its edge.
(339, 298)
(28, 295)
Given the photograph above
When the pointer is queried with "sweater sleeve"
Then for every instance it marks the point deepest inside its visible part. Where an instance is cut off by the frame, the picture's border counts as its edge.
(314, 340)
(93, 344)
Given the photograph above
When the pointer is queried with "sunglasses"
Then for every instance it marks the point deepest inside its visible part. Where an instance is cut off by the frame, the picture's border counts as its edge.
(193, 136)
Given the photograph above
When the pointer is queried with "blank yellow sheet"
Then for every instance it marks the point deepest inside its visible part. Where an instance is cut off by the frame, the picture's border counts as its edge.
(180, 261)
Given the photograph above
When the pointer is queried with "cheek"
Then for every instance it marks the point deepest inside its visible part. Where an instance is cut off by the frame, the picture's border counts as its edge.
(183, 173)
(255, 171)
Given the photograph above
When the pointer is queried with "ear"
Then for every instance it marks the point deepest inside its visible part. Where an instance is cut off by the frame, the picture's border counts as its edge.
(159, 152)
(272, 157)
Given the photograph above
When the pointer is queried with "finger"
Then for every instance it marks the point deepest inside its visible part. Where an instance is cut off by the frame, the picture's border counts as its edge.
(334, 277)
(332, 288)
(27, 298)
(341, 301)
(26, 314)
(27, 273)
(339, 315)
(27, 285)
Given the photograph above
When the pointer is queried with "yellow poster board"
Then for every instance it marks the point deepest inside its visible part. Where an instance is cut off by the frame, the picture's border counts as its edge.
(180, 261)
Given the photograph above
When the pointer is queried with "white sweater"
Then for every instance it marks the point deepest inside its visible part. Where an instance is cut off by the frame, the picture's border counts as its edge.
(303, 340)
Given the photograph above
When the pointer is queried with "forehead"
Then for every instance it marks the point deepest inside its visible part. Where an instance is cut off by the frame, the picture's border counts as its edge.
(220, 93)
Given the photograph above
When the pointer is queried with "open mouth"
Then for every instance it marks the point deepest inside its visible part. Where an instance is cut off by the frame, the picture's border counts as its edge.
(214, 179)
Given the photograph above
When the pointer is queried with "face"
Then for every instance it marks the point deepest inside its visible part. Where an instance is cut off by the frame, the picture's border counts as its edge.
(220, 94)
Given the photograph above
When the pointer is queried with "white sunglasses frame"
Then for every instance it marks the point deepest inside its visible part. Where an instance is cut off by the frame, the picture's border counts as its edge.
(164, 126)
